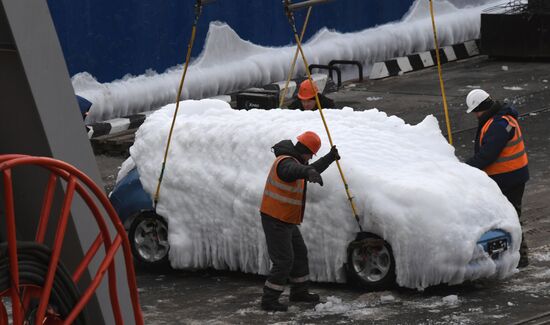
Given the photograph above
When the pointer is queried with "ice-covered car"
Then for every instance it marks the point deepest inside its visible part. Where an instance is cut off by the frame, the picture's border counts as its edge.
(440, 220)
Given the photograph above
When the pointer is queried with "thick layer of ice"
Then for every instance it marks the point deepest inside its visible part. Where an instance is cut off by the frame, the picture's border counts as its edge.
(229, 63)
(408, 185)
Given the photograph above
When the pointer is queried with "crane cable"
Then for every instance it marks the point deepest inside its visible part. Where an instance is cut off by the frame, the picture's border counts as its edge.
(198, 10)
(441, 84)
(318, 103)
(293, 65)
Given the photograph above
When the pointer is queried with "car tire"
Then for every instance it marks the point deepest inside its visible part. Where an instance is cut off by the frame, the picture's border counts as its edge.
(371, 264)
(148, 236)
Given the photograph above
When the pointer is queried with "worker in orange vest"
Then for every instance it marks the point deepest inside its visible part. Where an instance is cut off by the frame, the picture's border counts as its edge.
(282, 211)
(306, 97)
(500, 150)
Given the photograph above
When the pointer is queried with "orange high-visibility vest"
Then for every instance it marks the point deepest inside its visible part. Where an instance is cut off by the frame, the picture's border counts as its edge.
(513, 156)
(283, 200)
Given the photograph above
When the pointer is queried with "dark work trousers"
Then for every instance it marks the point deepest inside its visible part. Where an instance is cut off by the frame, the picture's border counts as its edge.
(515, 195)
(287, 252)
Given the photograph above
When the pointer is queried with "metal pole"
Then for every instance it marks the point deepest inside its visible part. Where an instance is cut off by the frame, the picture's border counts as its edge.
(303, 4)
(318, 103)
(293, 65)
(441, 84)
(198, 11)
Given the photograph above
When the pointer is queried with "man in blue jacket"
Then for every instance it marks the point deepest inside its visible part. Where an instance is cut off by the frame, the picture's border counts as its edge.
(84, 106)
(500, 150)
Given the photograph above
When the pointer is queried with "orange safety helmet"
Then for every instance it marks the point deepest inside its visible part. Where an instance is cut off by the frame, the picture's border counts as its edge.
(307, 90)
(311, 140)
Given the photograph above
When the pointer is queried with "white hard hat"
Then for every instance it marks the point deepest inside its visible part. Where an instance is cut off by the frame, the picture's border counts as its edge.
(474, 98)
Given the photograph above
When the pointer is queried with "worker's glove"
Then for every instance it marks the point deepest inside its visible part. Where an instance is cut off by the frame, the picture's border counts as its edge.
(334, 153)
(313, 176)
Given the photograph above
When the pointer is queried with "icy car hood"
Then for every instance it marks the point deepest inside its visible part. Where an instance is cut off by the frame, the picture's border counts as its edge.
(408, 185)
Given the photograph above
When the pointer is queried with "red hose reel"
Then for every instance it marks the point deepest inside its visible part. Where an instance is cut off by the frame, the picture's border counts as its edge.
(39, 287)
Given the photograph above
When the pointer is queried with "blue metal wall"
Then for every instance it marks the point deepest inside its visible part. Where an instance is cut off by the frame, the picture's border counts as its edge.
(112, 38)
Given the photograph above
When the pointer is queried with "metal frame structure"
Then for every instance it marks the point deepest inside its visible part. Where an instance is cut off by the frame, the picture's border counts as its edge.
(40, 117)
(513, 7)
(79, 183)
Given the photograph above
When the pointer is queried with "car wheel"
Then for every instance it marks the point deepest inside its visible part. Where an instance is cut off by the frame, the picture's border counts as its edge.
(371, 263)
(148, 238)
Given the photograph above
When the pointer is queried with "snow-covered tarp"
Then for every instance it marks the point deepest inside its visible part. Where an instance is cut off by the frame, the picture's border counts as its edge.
(228, 63)
(408, 185)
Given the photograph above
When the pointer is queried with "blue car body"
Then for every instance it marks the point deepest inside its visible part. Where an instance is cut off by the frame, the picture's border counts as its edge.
(84, 106)
(494, 242)
(129, 198)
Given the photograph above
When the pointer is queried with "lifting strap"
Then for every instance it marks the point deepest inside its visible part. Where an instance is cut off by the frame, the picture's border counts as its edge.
(441, 84)
(293, 65)
(289, 12)
(198, 10)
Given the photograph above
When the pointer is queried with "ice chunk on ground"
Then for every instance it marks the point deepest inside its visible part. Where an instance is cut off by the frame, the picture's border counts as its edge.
(450, 299)
(387, 299)
(373, 98)
(333, 305)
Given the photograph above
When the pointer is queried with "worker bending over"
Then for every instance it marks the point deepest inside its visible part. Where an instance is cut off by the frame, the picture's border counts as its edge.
(500, 151)
(282, 211)
(306, 97)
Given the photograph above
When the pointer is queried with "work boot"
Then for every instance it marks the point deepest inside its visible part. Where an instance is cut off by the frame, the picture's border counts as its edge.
(300, 293)
(270, 300)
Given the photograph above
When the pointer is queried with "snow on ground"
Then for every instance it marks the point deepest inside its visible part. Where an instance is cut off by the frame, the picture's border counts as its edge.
(542, 254)
(334, 305)
(541, 274)
(229, 63)
(451, 300)
(373, 98)
(513, 88)
(408, 185)
(535, 288)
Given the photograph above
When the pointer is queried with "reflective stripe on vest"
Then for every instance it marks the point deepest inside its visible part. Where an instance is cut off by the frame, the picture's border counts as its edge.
(283, 200)
(513, 155)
